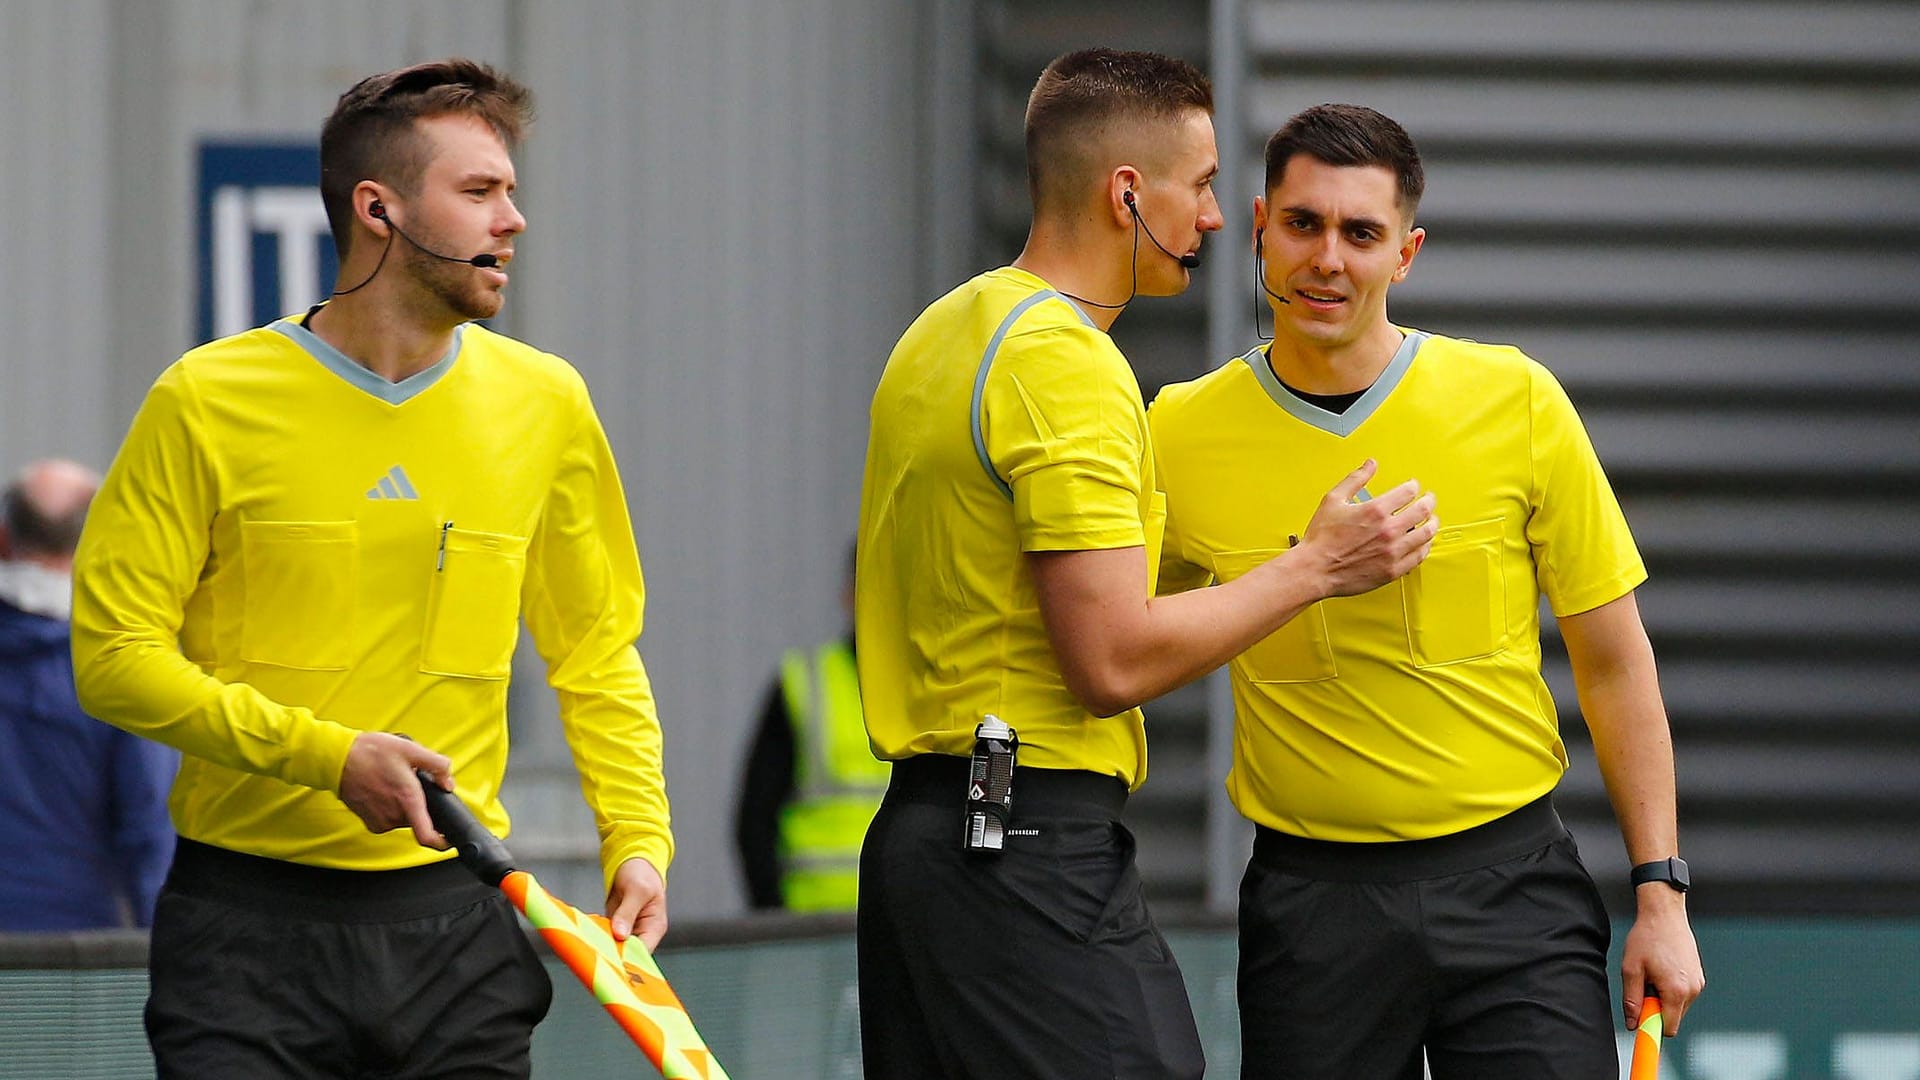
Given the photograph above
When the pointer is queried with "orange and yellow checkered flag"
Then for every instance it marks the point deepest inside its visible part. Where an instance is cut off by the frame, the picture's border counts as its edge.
(622, 975)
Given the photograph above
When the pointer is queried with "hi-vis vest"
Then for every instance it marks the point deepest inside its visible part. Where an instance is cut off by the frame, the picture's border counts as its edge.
(837, 780)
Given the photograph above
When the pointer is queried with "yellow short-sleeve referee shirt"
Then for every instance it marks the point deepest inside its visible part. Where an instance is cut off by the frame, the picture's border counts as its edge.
(1005, 422)
(1418, 709)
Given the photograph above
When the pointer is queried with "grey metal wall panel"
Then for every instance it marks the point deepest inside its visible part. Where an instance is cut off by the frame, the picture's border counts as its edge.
(53, 279)
(277, 67)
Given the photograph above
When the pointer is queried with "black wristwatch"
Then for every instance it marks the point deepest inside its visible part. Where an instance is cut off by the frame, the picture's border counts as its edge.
(1673, 871)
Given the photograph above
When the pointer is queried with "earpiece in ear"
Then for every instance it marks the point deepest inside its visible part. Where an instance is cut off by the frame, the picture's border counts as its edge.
(377, 210)
(1127, 197)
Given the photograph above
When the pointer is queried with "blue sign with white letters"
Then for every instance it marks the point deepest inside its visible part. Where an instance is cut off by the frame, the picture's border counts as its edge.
(264, 246)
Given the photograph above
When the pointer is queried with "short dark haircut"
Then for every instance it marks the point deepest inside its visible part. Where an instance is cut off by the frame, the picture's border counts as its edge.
(371, 133)
(1350, 135)
(32, 531)
(1080, 93)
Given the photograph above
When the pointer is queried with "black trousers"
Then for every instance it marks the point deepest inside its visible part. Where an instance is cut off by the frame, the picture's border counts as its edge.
(268, 969)
(1039, 962)
(1486, 949)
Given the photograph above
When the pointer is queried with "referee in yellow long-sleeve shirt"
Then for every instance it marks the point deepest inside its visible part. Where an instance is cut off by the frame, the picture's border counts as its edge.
(320, 536)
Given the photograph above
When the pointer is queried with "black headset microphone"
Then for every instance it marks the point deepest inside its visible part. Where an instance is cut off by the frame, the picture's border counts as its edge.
(1260, 279)
(482, 260)
(1190, 261)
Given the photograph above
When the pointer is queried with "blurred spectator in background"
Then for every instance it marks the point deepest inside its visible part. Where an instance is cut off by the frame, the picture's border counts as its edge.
(84, 833)
(811, 783)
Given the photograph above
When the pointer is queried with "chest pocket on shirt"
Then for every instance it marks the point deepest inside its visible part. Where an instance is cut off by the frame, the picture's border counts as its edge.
(473, 606)
(1456, 601)
(1298, 652)
(302, 579)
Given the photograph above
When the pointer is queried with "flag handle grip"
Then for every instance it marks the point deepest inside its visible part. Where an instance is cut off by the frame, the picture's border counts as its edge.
(483, 852)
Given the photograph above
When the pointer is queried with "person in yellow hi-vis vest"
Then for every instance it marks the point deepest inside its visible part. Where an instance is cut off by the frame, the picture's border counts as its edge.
(811, 783)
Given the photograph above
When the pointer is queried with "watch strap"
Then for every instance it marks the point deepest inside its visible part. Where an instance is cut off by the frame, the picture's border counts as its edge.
(1672, 871)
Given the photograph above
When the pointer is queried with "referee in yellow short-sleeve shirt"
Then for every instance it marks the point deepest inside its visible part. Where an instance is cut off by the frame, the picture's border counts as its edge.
(1009, 530)
(1411, 889)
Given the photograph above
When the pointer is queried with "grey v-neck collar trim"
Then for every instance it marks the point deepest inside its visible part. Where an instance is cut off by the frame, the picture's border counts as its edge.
(393, 393)
(1345, 423)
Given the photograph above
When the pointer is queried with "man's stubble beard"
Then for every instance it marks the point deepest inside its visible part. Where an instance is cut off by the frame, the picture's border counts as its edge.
(454, 286)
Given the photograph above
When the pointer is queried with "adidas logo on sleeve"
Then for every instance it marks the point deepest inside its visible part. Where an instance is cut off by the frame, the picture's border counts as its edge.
(394, 485)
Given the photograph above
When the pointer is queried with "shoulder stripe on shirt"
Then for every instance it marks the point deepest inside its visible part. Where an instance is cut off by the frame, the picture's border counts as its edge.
(986, 364)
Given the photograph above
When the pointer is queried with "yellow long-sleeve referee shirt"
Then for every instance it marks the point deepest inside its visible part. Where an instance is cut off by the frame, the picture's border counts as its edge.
(289, 550)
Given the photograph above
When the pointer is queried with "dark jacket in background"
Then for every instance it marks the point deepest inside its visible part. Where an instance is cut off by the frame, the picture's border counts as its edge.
(84, 835)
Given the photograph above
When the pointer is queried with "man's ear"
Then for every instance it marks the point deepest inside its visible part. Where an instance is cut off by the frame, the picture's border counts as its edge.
(369, 207)
(1122, 182)
(1408, 250)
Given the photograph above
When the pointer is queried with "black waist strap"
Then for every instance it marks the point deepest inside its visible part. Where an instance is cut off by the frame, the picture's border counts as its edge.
(1529, 828)
(941, 780)
(275, 886)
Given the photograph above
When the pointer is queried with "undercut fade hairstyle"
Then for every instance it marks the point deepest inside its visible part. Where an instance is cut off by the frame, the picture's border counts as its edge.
(1081, 94)
(33, 531)
(371, 134)
(1350, 135)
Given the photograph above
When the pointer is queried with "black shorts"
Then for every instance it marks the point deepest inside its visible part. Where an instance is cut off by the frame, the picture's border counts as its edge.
(264, 968)
(1039, 962)
(1486, 949)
